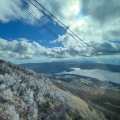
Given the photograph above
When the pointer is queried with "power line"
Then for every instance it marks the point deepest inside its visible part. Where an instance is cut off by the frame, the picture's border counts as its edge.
(49, 30)
(41, 23)
(54, 21)
(87, 46)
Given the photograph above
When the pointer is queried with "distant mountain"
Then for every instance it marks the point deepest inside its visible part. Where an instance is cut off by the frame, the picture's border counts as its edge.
(25, 95)
(57, 67)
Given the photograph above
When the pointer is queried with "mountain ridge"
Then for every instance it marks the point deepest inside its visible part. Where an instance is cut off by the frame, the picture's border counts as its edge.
(57, 67)
(26, 95)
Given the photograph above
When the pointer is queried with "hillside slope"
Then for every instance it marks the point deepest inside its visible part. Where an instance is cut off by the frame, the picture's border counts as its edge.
(24, 95)
(101, 95)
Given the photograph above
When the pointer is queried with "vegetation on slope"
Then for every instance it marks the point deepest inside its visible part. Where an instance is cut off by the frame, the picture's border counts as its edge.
(25, 95)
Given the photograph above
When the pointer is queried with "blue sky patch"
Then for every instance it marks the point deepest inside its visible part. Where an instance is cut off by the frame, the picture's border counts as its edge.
(17, 29)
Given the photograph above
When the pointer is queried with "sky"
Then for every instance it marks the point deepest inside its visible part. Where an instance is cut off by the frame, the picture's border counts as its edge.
(95, 22)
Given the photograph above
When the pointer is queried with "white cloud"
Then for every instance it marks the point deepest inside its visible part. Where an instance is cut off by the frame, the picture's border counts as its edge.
(64, 10)
(100, 19)
(54, 41)
(18, 49)
(99, 23)
(101, 10)
(10, 11)
(24, 49)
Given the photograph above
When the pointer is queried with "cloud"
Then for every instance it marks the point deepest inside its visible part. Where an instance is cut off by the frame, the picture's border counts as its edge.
(54, 41)
(95, 22)
(101, 10)
(99, 24)
(18, 49)
(106, 48)
(90, 20)
(64, 10)
(24, 49)
(10, 11)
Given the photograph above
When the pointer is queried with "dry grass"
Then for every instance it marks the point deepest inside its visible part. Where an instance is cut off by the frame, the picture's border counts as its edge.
(76, 103)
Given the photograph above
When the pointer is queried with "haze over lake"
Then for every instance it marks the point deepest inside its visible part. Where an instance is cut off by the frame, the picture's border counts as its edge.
(96, 73)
